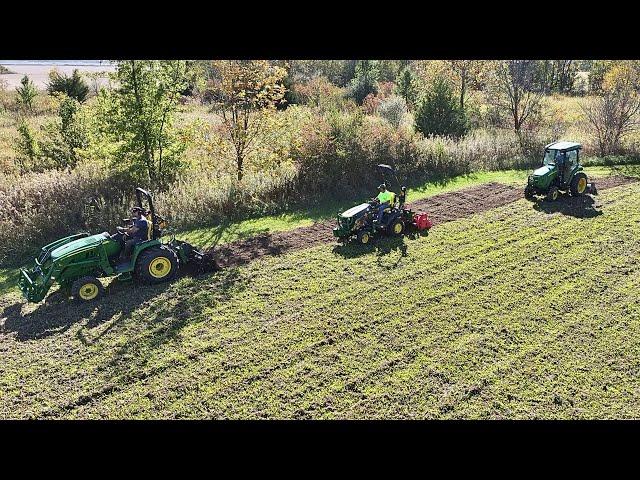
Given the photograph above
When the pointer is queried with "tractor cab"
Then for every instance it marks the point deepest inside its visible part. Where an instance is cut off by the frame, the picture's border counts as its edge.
(564, 156)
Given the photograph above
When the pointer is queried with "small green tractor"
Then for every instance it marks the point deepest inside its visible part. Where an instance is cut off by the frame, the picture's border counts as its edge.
(76, 262)
(560, 171)
(359, 221)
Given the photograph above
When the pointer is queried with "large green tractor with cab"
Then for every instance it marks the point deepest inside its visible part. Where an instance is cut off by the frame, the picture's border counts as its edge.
(77, 261)
(561, 171)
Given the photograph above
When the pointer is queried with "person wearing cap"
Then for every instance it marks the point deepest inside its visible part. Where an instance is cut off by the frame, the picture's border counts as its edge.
(138, 232)
(386, 198)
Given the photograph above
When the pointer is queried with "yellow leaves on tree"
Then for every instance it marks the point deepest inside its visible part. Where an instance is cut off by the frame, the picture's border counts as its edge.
(244, 92)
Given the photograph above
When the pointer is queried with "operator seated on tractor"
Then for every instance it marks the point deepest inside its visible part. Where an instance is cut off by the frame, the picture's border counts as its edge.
(386, 199)
(561, 160)
(138, 232)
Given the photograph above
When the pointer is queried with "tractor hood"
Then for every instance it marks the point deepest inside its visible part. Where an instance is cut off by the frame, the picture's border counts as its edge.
(544, 170)
(356, 211)
(72, 247)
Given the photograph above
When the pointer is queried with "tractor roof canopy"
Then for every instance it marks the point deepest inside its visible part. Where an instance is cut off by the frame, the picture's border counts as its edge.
(563, 146)
(388, 169)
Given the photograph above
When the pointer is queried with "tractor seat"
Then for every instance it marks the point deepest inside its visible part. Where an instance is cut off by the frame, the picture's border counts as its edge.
(150, 227)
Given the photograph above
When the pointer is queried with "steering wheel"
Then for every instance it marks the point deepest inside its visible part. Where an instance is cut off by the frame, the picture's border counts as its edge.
(121, 230)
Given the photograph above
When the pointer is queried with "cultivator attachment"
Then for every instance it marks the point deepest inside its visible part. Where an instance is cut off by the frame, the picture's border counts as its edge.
(201, 262)
(591, 188)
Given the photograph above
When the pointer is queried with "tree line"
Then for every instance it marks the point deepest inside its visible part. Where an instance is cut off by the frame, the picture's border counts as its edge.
(132, 124)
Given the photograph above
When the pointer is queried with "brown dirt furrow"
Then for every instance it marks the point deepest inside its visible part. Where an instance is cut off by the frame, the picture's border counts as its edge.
(441, 208)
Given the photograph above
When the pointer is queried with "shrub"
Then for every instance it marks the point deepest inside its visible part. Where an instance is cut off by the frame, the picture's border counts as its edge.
(393, 110)
(26, 93)
(27, 148)
(385, 89)
(73, 86)
(4, 96)
(370, 104)
(318, 92)
(439, 112)
(612, 117)
(65, 136)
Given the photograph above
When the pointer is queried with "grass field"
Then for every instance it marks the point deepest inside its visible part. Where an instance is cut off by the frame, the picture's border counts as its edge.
(519, 312)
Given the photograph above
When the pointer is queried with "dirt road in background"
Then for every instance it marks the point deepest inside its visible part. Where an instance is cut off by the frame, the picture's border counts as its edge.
(441, 208)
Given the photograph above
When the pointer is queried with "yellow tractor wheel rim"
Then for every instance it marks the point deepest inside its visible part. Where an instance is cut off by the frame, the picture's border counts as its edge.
(397, 228)
(88, 291)
(582, 185)
(160, 267)
(365, 238)
(555, 195)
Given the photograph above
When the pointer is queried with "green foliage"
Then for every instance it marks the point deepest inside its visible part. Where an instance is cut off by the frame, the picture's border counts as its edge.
(388, 70)
(407, 87)
(66, 136)
(26, 93)
(599, 69)
(365, 81)
(338, 72)
(439, 113)
(27, 148)
(74, 86)
(139, 116)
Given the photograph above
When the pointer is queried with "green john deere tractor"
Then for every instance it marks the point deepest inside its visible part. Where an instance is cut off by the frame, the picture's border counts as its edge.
(560, 171)
(76, 262)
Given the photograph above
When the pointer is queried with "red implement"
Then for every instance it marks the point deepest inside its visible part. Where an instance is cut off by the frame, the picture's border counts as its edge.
(422, 221)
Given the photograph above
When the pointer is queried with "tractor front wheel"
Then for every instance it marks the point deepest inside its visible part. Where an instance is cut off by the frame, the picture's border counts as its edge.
(552, 194)
(528, 192)
(157, 265)
(86, 289)
(364, 237)
(578, 184)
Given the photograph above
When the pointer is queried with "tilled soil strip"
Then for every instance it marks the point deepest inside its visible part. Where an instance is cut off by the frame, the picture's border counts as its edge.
(444, 207)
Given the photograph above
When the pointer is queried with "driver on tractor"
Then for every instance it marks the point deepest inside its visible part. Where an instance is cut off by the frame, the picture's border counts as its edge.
(138, 232)
(386, 199)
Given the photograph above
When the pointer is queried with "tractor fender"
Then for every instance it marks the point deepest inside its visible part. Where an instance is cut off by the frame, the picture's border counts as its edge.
(141, 247)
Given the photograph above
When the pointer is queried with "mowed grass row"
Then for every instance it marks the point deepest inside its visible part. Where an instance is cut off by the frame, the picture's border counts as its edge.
(514, 313)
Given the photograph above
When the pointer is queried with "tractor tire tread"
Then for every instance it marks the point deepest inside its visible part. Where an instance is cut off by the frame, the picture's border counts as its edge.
(574, 184)
(145, 258)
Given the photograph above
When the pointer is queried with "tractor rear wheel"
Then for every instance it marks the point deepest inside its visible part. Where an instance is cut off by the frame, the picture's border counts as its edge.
(396, 228)
(552, 194)
(86, 289)
(578, 184)
(157, 265)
